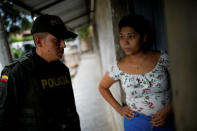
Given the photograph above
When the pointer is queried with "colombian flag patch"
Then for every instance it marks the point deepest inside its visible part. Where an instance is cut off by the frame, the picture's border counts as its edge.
(4, 78)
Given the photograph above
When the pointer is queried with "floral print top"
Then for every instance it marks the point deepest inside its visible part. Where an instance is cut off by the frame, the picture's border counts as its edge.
(145, 93)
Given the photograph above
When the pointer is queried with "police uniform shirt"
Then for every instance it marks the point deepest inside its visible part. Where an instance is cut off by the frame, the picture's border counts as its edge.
(40, 94)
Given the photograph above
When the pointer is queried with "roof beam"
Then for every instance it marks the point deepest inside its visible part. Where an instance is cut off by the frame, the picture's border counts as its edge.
(26, 7)
(84, 23)
(77, 17)
(48, 6)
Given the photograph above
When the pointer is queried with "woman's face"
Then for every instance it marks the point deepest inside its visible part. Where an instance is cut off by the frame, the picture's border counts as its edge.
(130, 40)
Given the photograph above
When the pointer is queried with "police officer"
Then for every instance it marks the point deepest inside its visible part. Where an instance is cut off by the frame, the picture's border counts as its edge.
(36, 93)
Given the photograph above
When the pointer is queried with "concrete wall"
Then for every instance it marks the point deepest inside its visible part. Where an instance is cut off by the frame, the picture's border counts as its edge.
(181, 23)
(107, 16)
(103, 23)
(105, 39)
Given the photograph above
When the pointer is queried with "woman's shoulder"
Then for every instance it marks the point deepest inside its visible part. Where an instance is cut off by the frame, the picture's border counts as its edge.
(112, 67)
(113, 71)
(164, 54)
(155, 52)
(163, 59)
(122, 61)
(161, 54)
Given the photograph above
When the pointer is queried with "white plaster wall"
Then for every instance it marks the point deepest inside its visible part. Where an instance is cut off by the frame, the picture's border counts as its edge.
(103, 21)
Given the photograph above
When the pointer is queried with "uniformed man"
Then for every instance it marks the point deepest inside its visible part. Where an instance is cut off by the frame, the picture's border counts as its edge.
(36, 92)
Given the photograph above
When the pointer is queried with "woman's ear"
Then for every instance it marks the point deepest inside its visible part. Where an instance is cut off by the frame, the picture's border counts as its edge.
(145, 38)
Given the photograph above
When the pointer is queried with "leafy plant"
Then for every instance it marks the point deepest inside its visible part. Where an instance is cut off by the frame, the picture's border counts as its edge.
(14, 21)
(84, 32)
(18, 39)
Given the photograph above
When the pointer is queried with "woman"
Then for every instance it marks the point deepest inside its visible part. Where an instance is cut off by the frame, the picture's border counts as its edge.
(144, 78)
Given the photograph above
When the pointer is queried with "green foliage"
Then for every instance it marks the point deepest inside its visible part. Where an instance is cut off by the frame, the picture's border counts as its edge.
(17, 39)
(84, 32)
(70, 39)
(25, 24)
(27, 38)
(14, 21)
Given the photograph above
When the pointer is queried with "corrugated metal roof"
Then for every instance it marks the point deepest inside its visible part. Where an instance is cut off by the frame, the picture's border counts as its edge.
(74, 13)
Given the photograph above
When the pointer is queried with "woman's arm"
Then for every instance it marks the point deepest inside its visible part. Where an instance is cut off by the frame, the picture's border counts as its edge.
(159, 119)
(104, 86)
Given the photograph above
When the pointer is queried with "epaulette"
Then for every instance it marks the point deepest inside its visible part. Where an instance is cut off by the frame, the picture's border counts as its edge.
(8, 68)
(25, 57)
(26, 61)
(11, 64)
(21, 60)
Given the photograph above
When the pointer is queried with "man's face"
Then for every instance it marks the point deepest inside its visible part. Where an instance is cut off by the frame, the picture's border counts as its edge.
(52, 48)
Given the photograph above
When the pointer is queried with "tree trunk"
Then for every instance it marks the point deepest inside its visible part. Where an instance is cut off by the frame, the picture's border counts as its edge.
(5, 54)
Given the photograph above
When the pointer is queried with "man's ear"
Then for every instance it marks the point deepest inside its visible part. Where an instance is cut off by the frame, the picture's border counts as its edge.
(145, 38)
(38, 41)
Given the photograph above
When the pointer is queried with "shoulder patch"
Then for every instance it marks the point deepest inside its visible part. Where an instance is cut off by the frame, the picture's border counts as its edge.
(13, 62)
(3, 84)
(4, 78)
(7, 69)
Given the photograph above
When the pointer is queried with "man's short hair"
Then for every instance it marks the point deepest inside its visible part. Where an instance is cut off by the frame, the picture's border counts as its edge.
(40, 35)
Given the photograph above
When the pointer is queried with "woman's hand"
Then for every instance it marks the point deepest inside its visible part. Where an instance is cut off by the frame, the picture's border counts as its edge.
(126, 112)
(159, 119)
